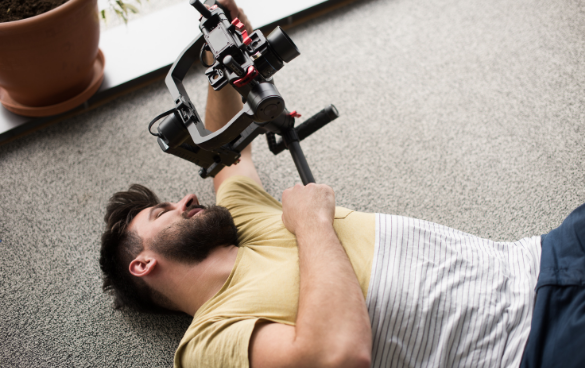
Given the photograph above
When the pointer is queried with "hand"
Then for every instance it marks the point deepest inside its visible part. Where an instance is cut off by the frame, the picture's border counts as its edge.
(307, 207)
(237, 12)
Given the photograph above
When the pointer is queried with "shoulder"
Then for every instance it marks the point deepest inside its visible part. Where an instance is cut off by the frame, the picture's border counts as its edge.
(238, 183)
(220, 343)
(245, 168)
(241, 190)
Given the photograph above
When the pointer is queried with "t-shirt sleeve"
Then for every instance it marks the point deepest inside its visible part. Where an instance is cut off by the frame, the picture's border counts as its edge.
(220, 344)
(240, 193)
(256, 214)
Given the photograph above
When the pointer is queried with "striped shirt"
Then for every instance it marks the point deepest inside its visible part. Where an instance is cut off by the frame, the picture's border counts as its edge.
(439, 297)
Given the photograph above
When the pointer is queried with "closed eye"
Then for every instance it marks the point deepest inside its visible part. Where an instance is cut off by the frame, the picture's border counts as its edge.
(161, 213)
(164, 207)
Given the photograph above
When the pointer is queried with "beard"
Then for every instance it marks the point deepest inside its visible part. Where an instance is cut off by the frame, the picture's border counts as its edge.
(192, 239)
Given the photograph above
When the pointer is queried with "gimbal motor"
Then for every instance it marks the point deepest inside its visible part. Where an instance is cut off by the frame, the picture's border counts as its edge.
(247, 62)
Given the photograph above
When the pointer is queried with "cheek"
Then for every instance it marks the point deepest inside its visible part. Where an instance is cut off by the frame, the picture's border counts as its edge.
(166, 227)
(152, 230)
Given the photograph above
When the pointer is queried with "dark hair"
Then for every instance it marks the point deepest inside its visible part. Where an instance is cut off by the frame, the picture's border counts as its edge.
(120, 247)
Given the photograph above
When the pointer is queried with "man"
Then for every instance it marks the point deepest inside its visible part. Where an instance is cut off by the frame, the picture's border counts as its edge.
(306, 284)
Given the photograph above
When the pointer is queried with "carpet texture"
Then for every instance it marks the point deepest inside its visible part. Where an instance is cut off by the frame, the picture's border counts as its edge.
(467, 113)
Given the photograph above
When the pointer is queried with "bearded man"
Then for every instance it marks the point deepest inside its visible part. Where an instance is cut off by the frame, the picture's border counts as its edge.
(308, 284)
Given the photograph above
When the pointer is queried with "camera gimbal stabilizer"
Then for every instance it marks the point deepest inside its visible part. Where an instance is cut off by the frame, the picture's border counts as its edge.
(247, 62)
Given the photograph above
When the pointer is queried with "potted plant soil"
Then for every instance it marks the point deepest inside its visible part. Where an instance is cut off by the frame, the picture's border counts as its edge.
(49, 58)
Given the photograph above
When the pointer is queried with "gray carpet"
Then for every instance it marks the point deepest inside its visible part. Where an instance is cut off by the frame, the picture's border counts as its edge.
(463, 112)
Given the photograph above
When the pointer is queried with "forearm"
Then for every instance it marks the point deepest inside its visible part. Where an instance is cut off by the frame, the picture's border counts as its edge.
(332, 327)
(221, 107)
(332, 321)
(224, 104)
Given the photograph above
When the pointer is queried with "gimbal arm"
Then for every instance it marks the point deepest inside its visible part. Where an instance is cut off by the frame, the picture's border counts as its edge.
(201, 136)
(247, 62)
(175, 76)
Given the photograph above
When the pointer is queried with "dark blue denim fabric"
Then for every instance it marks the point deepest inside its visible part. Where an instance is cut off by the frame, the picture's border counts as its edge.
(557, 335)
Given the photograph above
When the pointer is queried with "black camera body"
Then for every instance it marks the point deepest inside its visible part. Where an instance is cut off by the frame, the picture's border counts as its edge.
(247, 62)
(240, 58)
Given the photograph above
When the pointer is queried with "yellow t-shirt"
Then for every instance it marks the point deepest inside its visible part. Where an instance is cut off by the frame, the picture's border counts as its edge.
(264, 283)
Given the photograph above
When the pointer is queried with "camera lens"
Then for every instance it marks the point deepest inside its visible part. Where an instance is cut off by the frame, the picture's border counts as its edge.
(282, 45)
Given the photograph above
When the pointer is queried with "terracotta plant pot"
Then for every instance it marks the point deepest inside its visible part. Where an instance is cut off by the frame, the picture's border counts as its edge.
(50, 63)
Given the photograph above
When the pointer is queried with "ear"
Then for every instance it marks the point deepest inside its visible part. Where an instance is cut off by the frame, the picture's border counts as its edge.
(142, 265)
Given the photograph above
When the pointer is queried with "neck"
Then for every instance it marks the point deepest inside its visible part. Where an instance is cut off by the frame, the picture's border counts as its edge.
(189, 286)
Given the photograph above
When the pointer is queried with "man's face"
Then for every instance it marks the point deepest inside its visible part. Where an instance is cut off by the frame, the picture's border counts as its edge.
(185, 231)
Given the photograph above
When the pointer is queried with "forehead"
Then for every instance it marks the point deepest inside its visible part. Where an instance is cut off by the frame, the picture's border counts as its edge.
(141, 223)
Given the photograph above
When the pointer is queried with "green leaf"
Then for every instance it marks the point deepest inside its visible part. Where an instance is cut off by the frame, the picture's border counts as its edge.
(122, 9)
(122, 6)
(132, 8)
(122, 15)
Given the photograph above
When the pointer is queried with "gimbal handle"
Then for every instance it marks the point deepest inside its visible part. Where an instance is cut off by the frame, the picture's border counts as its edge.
(201, 136)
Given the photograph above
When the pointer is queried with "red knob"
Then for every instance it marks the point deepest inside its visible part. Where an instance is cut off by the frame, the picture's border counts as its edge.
(239, 25)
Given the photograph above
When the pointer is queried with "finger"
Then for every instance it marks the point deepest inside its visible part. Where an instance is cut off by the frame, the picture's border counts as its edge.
(285, 193)
(242, 16)
(230, 5)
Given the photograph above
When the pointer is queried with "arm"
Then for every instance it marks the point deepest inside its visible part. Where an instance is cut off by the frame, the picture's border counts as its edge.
(332, 326)
(223, 105)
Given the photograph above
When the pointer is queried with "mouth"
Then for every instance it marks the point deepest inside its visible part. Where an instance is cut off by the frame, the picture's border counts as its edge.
(194, 212)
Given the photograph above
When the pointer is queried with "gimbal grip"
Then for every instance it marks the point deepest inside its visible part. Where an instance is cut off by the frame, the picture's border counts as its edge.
(310, 126)
(317, 121)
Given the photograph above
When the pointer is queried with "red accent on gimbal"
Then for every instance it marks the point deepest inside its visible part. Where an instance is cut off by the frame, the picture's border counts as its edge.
(240, 27)
(294, 114)
(247, 39)
(251, 74)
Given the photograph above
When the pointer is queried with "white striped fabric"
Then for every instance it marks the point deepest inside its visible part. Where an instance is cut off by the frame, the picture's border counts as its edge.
(439, 297)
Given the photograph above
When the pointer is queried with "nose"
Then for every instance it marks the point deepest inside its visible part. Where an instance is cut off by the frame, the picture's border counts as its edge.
(187, 200)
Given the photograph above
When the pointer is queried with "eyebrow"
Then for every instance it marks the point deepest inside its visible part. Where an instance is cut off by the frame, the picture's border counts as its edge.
(160, 205)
